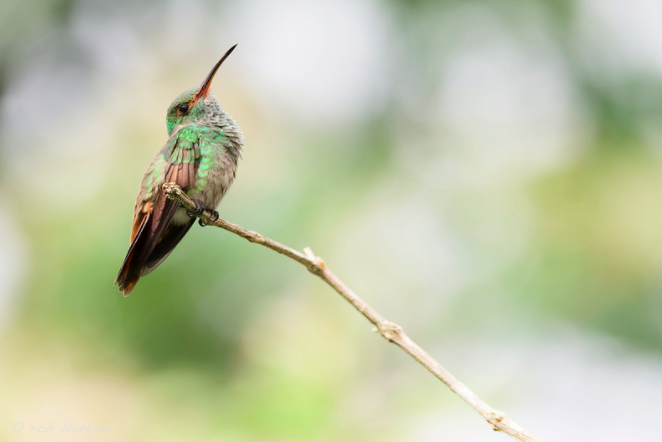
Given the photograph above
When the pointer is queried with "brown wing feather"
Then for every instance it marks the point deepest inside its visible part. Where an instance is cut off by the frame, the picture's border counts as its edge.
(138, 218)
(183, 174)
(124, 278)
(153, 236)
(171, 238)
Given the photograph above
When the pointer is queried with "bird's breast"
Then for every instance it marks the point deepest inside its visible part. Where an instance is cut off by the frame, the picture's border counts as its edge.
(180, 217)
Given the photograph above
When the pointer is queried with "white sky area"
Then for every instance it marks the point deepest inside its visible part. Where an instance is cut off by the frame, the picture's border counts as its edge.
(323, 62)
(621, 36)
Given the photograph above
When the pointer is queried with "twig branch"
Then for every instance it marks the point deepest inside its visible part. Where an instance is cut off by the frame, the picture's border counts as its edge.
(391, 332)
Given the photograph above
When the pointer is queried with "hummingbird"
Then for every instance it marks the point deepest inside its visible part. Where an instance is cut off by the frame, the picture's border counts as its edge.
(201, 154)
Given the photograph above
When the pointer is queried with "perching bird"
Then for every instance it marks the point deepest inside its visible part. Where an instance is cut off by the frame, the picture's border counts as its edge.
(201, 156)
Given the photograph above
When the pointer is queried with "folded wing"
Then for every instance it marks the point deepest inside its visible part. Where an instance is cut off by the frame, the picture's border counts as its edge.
(155, 233)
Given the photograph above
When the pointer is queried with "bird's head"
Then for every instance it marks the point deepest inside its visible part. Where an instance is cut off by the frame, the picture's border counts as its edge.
(195, 104)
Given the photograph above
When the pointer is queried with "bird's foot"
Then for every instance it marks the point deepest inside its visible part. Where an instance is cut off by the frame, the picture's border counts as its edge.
(214, 217)
(198, 210)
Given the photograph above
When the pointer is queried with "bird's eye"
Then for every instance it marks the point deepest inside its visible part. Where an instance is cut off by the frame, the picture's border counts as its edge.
(183, 108)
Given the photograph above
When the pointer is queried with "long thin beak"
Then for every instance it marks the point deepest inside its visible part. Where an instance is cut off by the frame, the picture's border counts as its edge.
(204, 88)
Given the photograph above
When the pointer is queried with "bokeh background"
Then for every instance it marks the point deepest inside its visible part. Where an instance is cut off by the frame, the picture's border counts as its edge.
(487, 174)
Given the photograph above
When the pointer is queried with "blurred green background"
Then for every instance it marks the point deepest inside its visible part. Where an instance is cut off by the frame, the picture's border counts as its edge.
(485, 173)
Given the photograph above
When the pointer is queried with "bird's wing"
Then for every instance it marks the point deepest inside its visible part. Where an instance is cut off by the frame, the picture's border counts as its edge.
(153, 236)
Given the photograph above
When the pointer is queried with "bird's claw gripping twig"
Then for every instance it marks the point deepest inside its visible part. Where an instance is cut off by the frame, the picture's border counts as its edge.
(214, 218)
(198, 209)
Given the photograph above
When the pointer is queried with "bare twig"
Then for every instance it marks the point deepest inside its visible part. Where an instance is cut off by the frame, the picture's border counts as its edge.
(391, 332)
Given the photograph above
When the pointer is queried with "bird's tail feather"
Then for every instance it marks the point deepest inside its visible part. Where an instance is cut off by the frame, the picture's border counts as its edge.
(154, 228)
(128, 277)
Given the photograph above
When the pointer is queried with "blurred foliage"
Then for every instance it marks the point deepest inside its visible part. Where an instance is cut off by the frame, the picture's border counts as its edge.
(423, 202)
